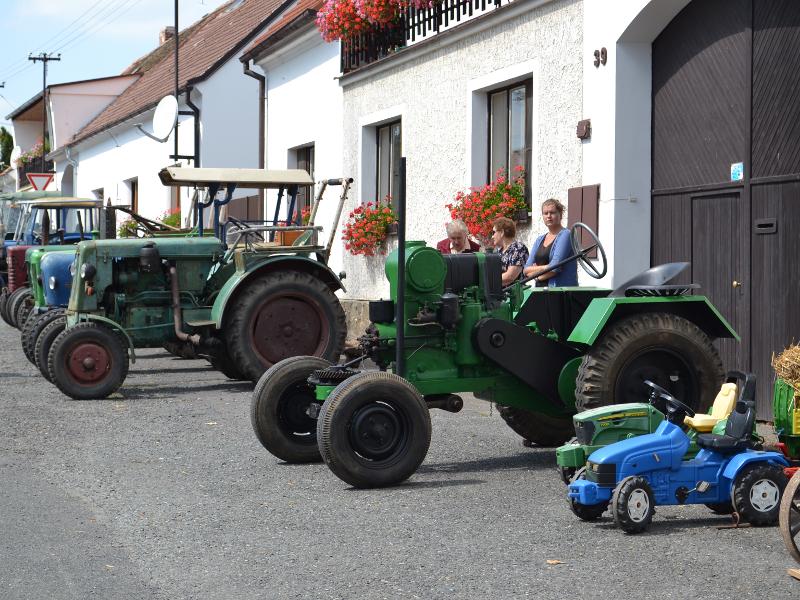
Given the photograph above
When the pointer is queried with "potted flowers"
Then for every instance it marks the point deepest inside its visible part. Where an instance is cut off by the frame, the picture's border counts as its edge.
(502, 197)
(367, 228)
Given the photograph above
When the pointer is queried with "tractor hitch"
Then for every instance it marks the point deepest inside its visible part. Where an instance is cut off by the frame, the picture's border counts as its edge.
(449, 402)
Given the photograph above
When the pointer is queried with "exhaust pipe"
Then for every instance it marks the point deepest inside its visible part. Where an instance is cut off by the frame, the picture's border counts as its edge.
(177, 313)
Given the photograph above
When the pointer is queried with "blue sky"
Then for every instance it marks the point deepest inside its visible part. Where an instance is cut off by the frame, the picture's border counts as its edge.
(96, 38)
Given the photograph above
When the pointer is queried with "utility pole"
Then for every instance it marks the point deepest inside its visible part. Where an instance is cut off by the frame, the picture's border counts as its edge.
(44, 58)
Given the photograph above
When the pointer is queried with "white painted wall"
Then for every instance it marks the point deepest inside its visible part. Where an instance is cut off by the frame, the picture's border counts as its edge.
(27, 133)
(304, 106)
(440, 97)
(617, 98)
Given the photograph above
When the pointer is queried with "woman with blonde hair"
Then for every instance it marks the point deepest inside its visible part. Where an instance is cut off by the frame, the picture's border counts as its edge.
(551, 248)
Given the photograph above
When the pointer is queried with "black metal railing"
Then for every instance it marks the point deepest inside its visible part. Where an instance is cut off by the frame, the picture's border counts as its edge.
(36, 165)
(413, 24)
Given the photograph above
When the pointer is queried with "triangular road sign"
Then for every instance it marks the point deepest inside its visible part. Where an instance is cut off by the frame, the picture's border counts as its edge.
(40, 181)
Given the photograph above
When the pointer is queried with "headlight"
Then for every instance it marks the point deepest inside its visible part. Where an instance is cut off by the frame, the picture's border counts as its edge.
(88, 271)
(72, 268)
(51, 283)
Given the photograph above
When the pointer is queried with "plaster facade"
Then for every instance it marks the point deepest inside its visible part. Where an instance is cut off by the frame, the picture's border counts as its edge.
(440, 97)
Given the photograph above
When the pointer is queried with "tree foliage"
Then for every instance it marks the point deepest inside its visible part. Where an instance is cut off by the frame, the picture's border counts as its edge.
(6, 145)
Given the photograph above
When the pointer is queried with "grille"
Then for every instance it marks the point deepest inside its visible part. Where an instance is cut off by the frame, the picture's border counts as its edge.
(331, 376)
(584, 431)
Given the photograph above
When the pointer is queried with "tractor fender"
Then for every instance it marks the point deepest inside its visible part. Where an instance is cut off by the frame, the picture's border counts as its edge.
(236, 282)
(75, 319)
(736, 463)
(604, 312)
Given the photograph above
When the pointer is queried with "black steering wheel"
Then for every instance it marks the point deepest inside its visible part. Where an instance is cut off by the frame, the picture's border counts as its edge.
(676, 410)
(581, 252)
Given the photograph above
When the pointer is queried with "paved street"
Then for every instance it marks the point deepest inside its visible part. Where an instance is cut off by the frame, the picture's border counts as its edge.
(164, 492)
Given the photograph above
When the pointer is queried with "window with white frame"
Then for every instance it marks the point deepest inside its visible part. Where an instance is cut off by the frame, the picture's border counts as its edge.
(389, 140)
(509, 131)
(304, 159)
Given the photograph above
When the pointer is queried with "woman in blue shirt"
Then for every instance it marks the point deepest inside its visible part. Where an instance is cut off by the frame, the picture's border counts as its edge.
(551, 248)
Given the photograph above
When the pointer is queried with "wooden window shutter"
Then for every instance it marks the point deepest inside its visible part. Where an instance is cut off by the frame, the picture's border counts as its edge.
(583, 204)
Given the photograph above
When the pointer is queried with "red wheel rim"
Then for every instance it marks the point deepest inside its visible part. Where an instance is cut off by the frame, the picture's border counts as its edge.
(287, 326)
(88, 362)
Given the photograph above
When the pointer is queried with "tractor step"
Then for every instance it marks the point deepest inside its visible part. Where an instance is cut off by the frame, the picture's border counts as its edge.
(206, 323)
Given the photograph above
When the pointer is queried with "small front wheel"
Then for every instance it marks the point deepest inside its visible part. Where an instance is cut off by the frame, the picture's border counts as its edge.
(88, 361)
(279, 409)
(374, 430)
(585, 512)
(633, 504)
(757, 493)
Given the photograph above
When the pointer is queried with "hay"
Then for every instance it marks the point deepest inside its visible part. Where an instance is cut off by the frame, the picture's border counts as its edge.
(787, 365)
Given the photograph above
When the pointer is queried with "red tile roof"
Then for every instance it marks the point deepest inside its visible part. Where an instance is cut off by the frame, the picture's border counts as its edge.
(303, 10)
(204, 47)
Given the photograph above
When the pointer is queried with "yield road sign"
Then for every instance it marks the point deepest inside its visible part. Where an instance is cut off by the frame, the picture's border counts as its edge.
(40, 181)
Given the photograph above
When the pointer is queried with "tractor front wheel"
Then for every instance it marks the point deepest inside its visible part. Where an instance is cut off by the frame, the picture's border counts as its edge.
(789, 517)
(34, 327)
(374, 430)
(24, 309)
(279, 409)
(661, 347)
(633, 504)
(542, 430)
(284, 314)
(585, 512)
(13, 304)
(88, 361)
(4, 304)
(757, 493)
(44, 341)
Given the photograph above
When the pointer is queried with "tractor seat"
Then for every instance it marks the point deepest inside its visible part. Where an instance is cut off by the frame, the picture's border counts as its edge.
(722, 407)
(738, 431)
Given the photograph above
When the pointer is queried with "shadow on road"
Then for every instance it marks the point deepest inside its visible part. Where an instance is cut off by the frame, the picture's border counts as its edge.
(134, 392)
(524, 460)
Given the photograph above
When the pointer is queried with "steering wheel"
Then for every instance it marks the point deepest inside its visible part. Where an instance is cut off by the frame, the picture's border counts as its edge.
(581, 252)
(676, 409)
(238, 223)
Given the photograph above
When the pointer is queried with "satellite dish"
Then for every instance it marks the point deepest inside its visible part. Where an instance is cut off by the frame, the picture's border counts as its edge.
(15, 154)
(164, 119)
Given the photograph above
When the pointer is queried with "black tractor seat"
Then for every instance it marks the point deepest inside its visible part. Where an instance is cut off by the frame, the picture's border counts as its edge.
(738, 431)
(655, 281)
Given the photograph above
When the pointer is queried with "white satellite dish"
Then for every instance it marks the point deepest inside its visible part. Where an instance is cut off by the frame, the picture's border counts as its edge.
(164, 119)
(15, 154)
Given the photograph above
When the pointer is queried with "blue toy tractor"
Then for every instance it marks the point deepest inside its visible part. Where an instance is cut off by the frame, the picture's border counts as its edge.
(637, 474)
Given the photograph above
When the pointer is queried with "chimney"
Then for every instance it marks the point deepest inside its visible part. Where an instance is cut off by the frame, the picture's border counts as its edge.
(166, 34)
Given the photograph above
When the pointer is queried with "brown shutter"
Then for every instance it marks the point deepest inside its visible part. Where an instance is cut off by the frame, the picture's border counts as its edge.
(583, 205)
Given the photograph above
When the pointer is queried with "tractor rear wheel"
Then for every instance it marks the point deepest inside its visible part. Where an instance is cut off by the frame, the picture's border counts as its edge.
(44, 341)
(278, 411)
(88, 361)
(283, 314)
(374, 430)
(664, 348)
(539, 428)
(13, 304)
(633, 504)
(33, 327)
(789, 517)
(757, 492)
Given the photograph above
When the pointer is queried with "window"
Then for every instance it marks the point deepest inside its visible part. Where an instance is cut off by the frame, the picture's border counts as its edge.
(305, 160)
(389, 151)
(510, 131)
(133, 190)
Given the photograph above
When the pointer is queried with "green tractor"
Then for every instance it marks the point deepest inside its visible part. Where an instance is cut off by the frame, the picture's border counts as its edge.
(246, 297)
(540, 354)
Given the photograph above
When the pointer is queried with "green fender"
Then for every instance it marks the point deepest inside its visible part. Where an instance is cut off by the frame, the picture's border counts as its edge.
(604, 312)
(269, 265)
(73, 319)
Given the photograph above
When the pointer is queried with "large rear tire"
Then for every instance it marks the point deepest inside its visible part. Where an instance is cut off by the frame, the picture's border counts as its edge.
(374, 430)
(88, 361)
(278, 409)
(539, 428)
(33, 327)
(283, 314)
(664, 348)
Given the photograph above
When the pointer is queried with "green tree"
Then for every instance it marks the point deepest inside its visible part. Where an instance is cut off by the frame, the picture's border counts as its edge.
(6, 145)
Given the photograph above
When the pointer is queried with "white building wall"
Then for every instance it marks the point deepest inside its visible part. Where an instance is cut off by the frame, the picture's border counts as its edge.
(440, 97)
(304, 107)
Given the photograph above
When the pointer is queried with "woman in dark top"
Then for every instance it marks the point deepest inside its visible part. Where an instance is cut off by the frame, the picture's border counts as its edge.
(513, 254)
(551, 248)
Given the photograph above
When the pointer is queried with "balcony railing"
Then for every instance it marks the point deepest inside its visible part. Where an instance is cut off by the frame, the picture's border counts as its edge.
(413, 26)
(37, 165)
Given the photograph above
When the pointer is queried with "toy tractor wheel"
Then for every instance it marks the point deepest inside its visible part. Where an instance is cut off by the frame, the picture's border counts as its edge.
(374, 430)
(542, 430)
(13, 304)
(585, 512)
(283, 314)
(88, 361)
(789, 517)
(633, 504)
(757, 493)
(44, 341)
(664, 348)
(33, 328)
(278, 411)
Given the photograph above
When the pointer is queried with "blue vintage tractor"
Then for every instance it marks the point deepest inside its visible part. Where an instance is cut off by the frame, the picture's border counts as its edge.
(637, 474)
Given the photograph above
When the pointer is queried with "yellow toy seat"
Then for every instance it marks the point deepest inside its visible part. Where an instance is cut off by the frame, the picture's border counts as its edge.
(722, 408)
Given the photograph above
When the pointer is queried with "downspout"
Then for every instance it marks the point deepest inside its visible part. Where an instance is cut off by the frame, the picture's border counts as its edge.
(262, 99)
(74, 165)
(196, 115)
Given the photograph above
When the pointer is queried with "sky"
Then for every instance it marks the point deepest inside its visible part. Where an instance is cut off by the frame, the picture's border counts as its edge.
(96, 38)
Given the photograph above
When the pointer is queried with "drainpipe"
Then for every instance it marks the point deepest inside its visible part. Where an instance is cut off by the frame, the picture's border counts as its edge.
(74, 165)
(262, 98)
(196, 115)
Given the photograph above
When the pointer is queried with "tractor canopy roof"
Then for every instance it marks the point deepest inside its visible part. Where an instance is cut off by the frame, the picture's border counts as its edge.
(246, 178)
(63, 201)
(29, 195)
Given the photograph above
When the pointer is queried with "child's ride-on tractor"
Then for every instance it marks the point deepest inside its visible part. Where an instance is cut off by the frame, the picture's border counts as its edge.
(606, 425)
(637, 474)
(540, 354)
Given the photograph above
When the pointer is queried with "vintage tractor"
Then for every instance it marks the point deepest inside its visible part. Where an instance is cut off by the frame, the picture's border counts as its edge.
(246, 304)
(602, 426)
(634, 476)
(45, 223)
(541, 354)
(789, 518)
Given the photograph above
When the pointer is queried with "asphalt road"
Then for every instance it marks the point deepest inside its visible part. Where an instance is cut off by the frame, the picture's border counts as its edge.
(164, 492)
